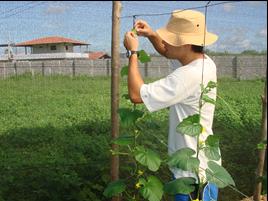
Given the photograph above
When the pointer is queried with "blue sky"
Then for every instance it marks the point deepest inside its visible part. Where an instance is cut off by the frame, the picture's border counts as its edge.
(239, 25)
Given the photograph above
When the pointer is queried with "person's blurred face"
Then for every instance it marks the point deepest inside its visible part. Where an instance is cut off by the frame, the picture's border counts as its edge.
(176, 52)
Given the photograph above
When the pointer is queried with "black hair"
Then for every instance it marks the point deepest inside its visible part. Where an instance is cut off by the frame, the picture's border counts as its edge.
(198, 49)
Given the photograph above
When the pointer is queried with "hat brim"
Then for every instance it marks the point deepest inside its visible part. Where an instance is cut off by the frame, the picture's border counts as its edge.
(183, 39)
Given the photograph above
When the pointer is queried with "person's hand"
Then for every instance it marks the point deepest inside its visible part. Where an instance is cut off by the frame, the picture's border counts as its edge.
(143, 29)
(131, 41)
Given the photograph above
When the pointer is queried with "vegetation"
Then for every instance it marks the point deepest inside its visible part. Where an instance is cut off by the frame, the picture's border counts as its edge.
(55, 136)
(245, 52)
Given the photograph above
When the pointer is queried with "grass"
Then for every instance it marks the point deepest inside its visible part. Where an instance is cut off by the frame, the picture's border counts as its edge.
(55, 135)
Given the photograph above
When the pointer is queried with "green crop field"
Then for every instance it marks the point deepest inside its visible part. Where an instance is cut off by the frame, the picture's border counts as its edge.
(55, 136)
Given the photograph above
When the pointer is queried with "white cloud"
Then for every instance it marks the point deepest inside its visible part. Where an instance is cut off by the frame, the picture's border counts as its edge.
(56, 8)
(236, 41)
(263, 33)
(256, 3)
(228, 7)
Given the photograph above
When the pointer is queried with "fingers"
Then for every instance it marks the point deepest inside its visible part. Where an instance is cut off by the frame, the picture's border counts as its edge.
(140, 23)
(130, 34)
(142, 28)
(131, 41)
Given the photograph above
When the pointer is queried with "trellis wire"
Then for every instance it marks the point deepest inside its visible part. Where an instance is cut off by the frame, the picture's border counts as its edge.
(168, 13)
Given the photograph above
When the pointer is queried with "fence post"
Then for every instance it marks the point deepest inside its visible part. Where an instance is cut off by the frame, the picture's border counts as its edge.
(146, 69)
(4, 70)
(107, 67)
(235, 66)
(43, 68)
(15, 68)
(73, 66)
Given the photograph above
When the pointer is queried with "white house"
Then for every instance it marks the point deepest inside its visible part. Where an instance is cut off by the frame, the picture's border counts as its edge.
(53, 44)
(54, 47)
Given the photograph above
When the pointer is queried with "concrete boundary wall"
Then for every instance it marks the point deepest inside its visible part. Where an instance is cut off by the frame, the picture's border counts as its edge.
(240, 67)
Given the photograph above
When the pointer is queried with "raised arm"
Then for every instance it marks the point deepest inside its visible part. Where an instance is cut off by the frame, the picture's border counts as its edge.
(143, 29)
(135, 80)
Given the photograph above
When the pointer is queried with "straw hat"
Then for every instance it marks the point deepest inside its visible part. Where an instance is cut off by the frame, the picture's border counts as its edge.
(186, 27)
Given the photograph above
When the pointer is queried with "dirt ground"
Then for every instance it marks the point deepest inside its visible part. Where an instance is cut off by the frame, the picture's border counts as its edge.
(263, 198)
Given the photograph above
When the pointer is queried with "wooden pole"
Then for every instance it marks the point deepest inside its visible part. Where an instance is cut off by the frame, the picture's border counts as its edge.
(115, 88)
(258, 187)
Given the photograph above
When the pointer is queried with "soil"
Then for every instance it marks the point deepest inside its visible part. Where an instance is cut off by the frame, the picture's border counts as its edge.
(263, 198)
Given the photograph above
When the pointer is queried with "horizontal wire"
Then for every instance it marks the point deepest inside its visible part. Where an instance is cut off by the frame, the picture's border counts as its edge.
(21, 11)
(169, 13)
(17, 8)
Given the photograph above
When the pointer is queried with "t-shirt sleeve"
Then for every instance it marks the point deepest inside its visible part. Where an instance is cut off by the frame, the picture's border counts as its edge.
(164, 92)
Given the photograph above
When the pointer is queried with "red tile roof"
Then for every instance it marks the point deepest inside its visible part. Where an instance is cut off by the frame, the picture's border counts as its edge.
(51, 40)
(97, 55)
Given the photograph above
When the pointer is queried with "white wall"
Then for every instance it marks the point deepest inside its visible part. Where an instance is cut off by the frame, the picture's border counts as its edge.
(60, 48)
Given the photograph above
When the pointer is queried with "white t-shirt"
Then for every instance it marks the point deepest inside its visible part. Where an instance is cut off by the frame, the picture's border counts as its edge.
(180, 91)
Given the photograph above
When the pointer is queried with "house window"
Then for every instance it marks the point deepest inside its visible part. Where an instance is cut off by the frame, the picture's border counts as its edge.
(66, 47)
(53, 47)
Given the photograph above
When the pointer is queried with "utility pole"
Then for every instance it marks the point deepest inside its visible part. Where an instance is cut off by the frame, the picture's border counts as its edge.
(115, 88)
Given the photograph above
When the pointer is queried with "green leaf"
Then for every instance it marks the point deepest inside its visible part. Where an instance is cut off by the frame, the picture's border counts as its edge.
(183, 159)
(126, 96)
(124, 140)
(183, 185)
(190, 126)
(218, 175)
(134, 31)
(114, 188)
(212, 150)
(207, 99)
(128, 116)
(147, 158)
(212, 141)
(212, 153)
(143, 56)
(211, 84)
(124, 71)
(262, 145)
(151, 189)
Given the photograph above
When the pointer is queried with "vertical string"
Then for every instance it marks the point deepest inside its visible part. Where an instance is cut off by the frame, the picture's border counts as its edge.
(204, 42)
(134, 20)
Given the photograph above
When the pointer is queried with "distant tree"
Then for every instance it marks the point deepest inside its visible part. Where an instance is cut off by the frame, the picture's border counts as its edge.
(250, 52)
(263, 52)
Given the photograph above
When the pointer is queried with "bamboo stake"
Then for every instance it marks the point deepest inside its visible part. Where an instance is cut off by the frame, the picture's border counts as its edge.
(258, 187)
(115, 88)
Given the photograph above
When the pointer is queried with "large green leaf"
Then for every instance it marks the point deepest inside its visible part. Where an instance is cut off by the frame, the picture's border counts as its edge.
(124, 140)
(144, 57)
(212, 150)
(212, 141)
(183, 159)
(190, 126)
(147, 158)
(114, 188)
(207, 99)
(183, 185)
(128, 116)
(218, 175)
(212, 153)
(151, 189)
(124, 71)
